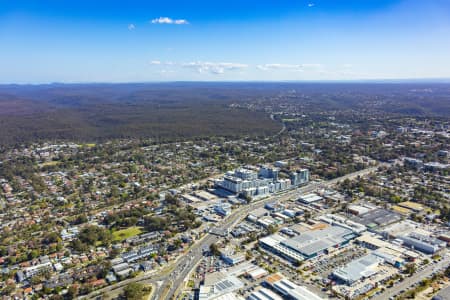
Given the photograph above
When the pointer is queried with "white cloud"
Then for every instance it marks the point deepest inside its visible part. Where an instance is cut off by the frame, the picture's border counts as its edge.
(213, 67)
(278, 66)
(163, 63)
(311, 4)
(131, 27)
(181, 22)
(293, 67)
(217, 68)
(167, 20)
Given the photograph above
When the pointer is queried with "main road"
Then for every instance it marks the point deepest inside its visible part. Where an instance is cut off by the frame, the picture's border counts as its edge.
(168, 282)
(415, 278)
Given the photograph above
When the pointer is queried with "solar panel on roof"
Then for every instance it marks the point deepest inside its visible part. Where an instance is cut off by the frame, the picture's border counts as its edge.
(223, 285)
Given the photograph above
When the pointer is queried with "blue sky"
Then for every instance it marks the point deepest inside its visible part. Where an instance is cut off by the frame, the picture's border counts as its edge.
(128, 41)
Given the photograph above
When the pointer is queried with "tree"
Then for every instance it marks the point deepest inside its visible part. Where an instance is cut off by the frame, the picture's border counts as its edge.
(52, 237)
(271, 229)
(177, 243)
(81, 219)
(171, 200)
(410, 268)
(134, 291)
(447, 271)
(214, 249)
(33, 254)
(92, 234)
(248, 199)
(8, 289)
(307, 215)
(72, 292)
(104, 268)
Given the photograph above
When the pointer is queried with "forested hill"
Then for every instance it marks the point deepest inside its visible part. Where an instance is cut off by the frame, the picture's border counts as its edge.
(103, 111)
(88, 112)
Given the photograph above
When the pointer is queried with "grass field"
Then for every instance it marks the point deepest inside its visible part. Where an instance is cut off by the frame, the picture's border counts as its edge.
(88, 145)
(291, 120)
(123, 234)
(49, 163)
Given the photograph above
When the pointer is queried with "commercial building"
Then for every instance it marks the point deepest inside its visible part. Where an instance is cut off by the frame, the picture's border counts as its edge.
(281, 164)
(416, 207)
(337, 220)
(317, 242)
(310, 198)
(309, 244)
(279, 185)
(274, 206)
(230, 256)
(267, 221)
(264, 294)
(243, 229)
(273, 243)
(288, 289)
(244, 181)
(396, 252)
(299, 177)
(219, 286)
(360, 209)
(356, 270)
(251, 183)
(390, 256)
(401, 210)
(377, 218)
(289, 213)
(268, 172)
(223, 209)
(401, 228)
(423, 243)
(257, 273)
(205, 196)
(257, 213)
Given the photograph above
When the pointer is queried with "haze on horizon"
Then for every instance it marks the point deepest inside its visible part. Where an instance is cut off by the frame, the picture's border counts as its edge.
(112, 41)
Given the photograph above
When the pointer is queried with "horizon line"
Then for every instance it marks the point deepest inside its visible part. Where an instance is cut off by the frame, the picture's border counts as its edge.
(379, 80)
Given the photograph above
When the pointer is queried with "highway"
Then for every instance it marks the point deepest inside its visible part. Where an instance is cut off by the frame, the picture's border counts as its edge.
(169, 282)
